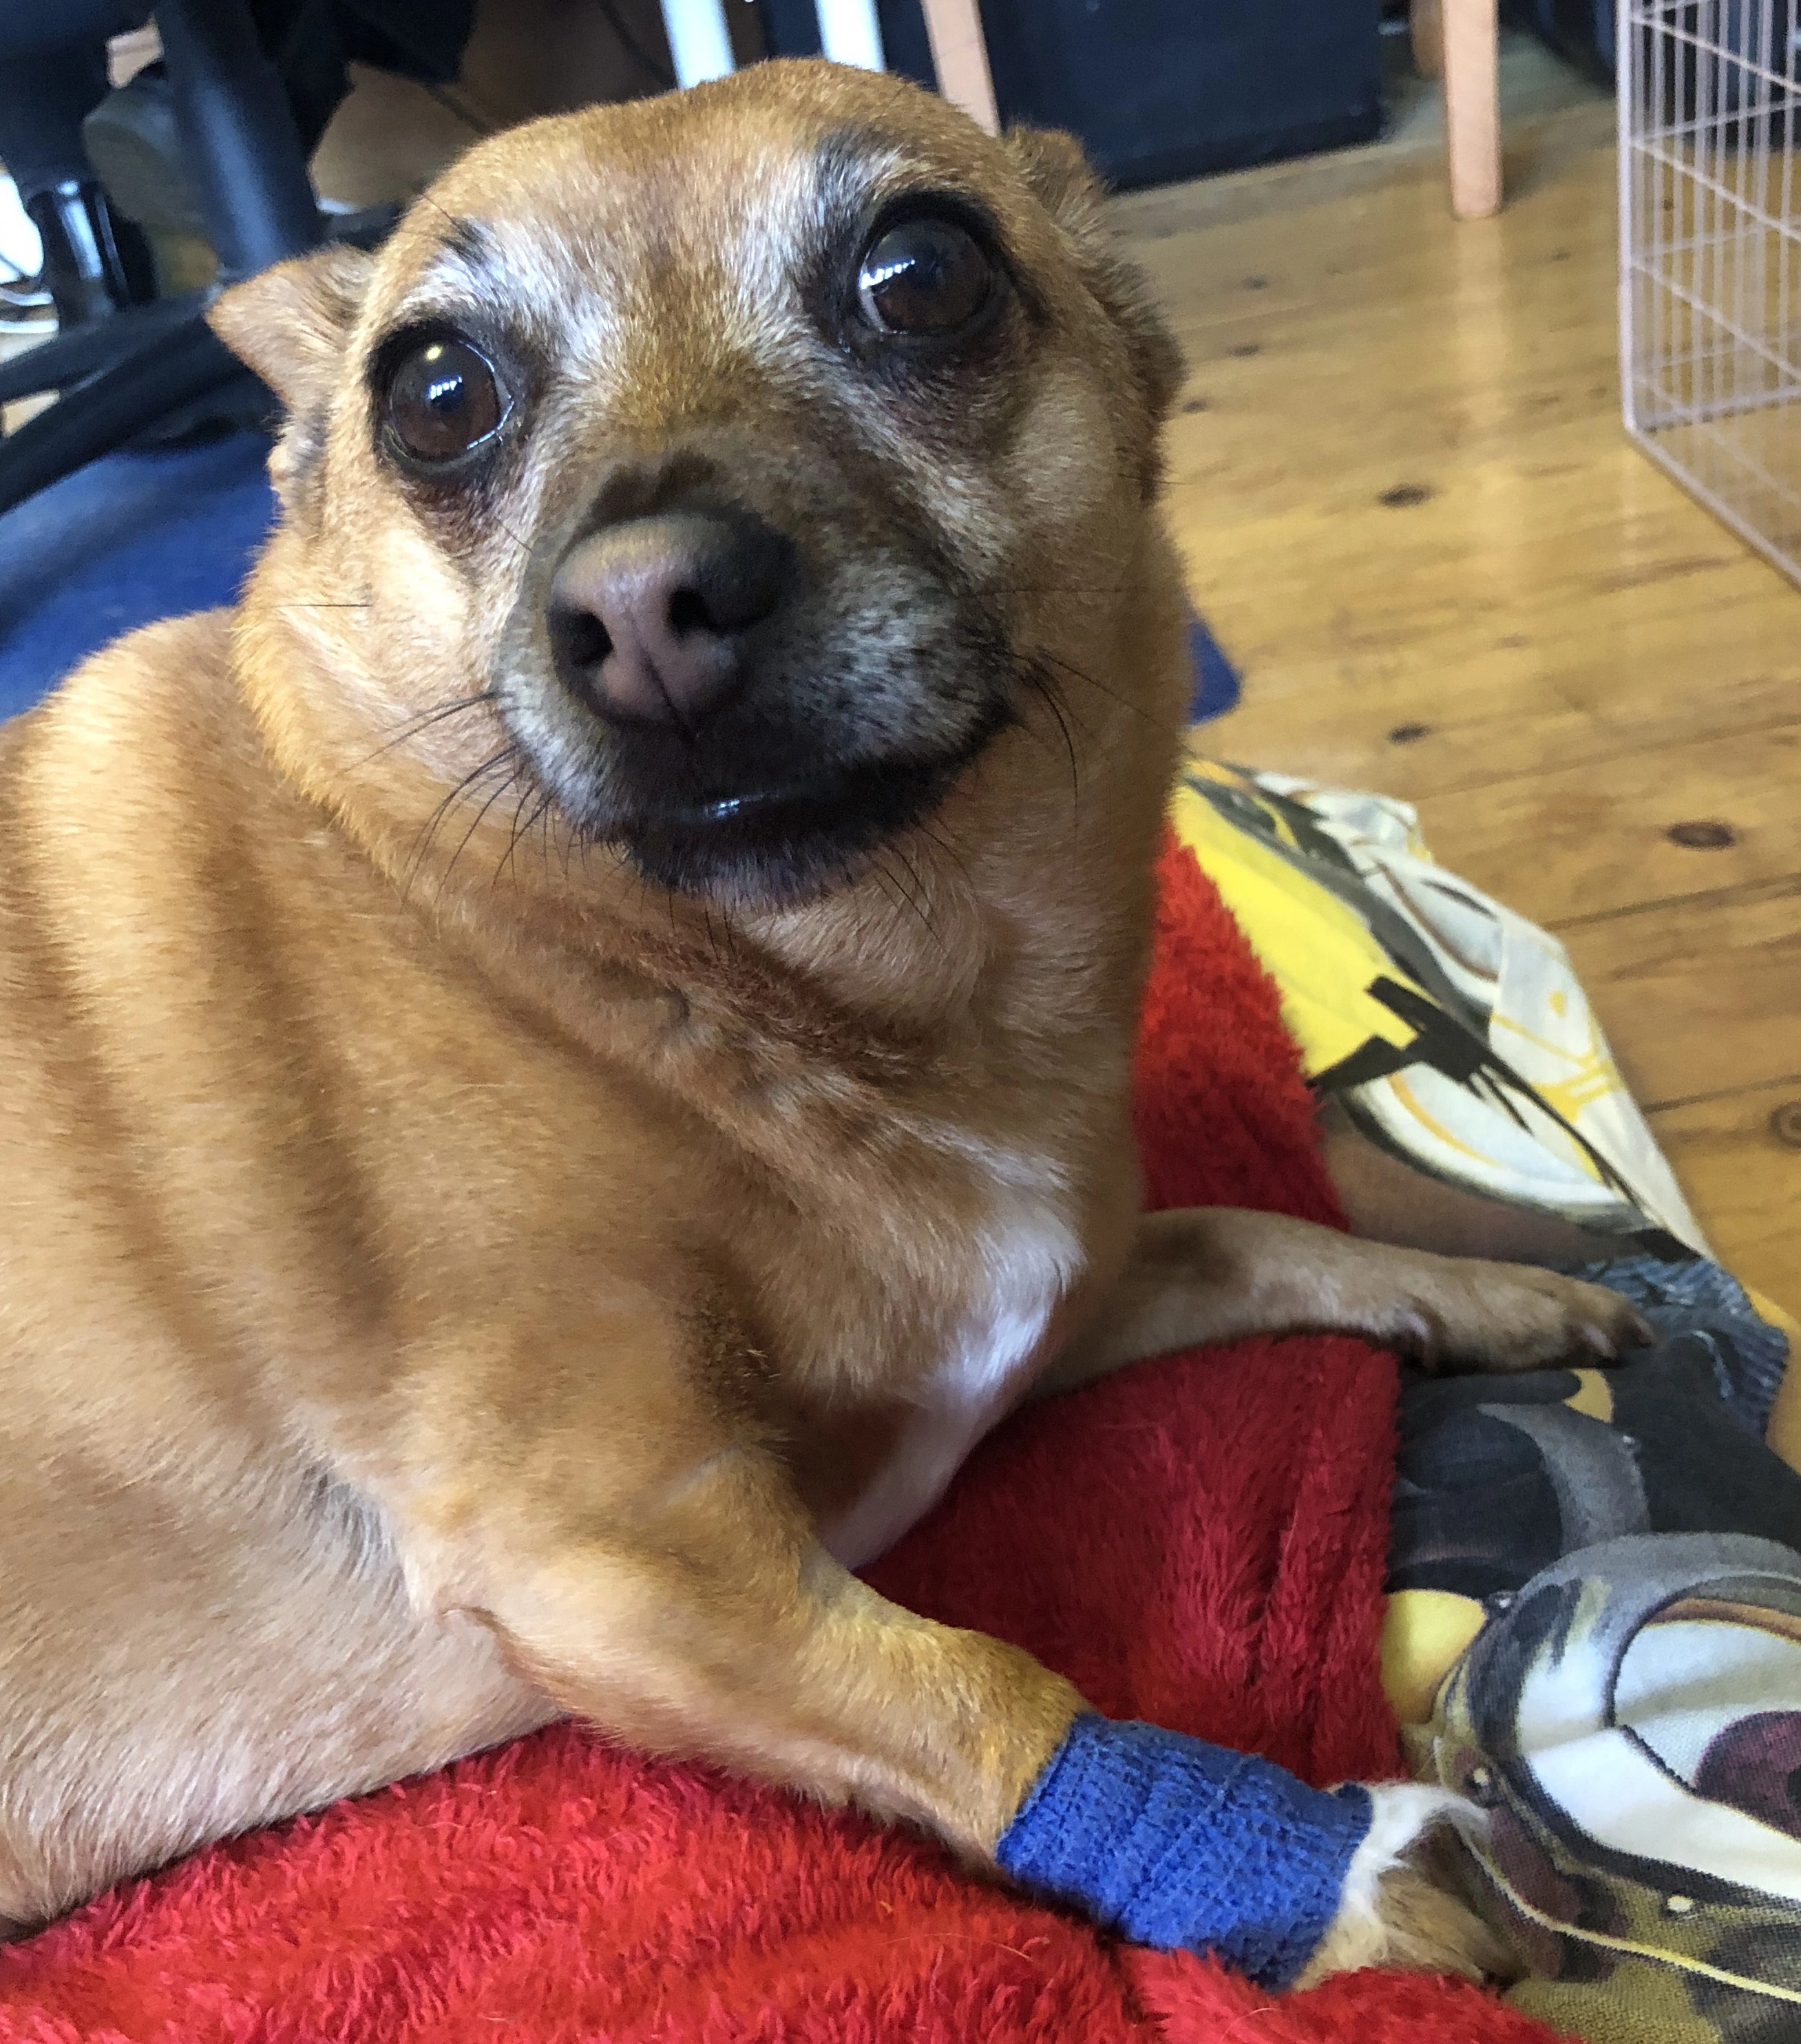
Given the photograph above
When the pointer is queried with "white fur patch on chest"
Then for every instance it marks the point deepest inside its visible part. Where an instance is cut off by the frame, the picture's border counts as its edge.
(1028, 1266)
(1022, 1264)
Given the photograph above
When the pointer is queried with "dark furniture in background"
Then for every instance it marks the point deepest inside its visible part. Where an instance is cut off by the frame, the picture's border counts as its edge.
(1581, 32)
(251, 83)
(1156, 90)
(126, 373)
(1159, 89)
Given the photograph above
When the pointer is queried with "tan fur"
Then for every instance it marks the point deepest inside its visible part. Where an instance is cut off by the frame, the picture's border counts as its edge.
(1400, 1905)
(450, 1281)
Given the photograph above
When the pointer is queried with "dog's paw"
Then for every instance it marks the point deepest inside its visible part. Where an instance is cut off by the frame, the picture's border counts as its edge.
(1461, 1314)
(1400, 1906)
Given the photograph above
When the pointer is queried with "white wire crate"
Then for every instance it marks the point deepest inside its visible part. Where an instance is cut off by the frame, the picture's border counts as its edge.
(1710, 255)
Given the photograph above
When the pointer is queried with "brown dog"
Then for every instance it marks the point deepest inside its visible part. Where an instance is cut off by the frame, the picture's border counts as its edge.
(565, 1062)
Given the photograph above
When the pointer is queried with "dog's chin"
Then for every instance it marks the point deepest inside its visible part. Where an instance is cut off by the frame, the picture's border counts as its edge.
(781, 847)
(753, 841)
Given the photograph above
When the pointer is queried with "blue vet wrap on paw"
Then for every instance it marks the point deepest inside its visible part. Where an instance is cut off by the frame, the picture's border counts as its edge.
(1179, 1844)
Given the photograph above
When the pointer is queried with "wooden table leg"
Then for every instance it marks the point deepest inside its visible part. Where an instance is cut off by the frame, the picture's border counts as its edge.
(959, 56)
(1470, 34)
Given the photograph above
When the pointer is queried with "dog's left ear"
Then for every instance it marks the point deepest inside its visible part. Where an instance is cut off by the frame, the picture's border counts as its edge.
(290, 324)
(1065, 184)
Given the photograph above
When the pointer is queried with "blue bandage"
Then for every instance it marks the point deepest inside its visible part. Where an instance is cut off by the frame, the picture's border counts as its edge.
(1181, 1845)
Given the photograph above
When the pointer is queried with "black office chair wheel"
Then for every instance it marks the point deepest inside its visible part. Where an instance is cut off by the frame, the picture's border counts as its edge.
(94, 262)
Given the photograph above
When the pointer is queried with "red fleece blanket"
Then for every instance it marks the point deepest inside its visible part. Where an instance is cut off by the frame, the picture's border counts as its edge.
(1199, 1541)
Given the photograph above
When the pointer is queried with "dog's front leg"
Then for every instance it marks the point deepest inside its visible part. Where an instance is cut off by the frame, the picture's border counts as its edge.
(651, 1565)
(1203, 1274)
(702, 1616)
(612, 1500)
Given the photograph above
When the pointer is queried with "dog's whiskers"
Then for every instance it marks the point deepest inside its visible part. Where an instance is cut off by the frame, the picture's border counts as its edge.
(1125, 702)
(507, 756)
(913, 897)
(412, 726)
(726, 924)
(884, 886)
(505, 788)
(939, 835)
(1033, 676)
(517, 828)
(1066, 588)
(495, 518)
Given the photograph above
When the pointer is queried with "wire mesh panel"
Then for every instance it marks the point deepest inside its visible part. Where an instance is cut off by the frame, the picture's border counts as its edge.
(1711, 255)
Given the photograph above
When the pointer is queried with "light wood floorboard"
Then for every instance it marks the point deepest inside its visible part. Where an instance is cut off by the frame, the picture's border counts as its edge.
(1410, 514)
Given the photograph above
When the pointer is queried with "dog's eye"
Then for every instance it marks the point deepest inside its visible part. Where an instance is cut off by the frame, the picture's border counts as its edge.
(924, 276)
(443, 400)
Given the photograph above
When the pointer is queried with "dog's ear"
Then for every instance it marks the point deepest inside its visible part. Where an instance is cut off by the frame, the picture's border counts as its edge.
(1066, 186)
(291, 323)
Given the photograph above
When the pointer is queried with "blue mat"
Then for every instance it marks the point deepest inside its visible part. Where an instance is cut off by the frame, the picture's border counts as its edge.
(140, 536)
(1216, 683)
(121, 543)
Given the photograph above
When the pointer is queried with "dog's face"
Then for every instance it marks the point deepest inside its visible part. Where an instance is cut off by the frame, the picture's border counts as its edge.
(735, 452)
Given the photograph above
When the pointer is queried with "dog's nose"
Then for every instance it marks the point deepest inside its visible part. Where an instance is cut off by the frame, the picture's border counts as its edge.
(648, 618)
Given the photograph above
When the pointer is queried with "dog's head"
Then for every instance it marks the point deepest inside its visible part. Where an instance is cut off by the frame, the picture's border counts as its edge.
(728, 470)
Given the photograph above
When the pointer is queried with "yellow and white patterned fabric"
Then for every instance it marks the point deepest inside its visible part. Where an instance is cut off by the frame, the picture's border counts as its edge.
(1594, 1625)
(1453, 1031)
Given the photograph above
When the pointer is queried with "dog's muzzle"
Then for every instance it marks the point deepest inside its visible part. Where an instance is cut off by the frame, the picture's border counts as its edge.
(726, 721)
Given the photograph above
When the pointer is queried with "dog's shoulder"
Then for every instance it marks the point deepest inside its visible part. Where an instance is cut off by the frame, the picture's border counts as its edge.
(148, 740)
(167, 670)
(127, 727)
(126, 799)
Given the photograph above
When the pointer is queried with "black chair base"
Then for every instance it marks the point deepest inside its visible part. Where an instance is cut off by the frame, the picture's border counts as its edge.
(120, 375)
(113, 406)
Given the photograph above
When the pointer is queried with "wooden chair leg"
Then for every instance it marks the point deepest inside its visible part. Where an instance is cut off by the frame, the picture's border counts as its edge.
(959, 54)
(1472, 120)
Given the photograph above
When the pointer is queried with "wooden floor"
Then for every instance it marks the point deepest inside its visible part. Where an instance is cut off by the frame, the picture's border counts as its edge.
(1410, 516)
